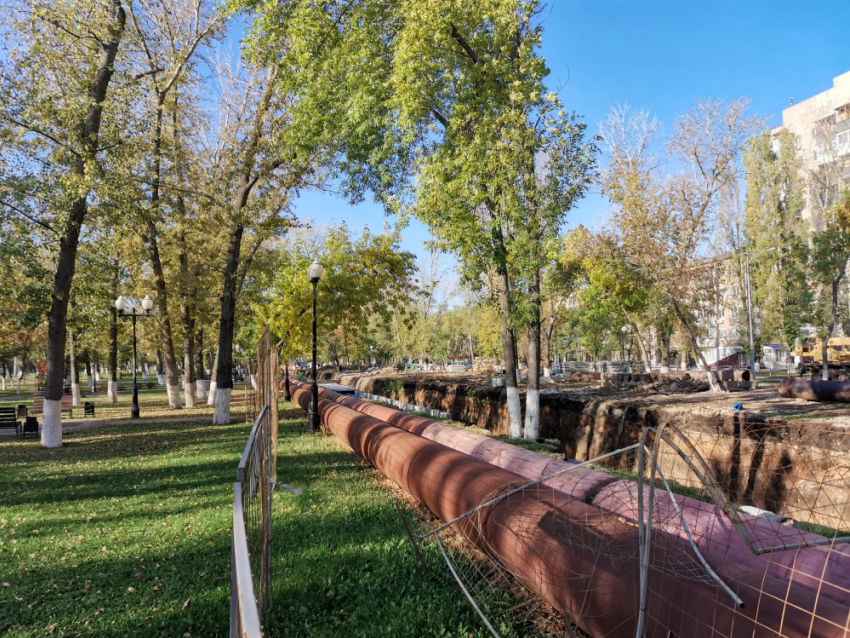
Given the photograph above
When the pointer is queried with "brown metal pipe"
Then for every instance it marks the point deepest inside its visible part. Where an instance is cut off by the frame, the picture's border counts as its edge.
(806, 566)
(812, 390)
(580, 559)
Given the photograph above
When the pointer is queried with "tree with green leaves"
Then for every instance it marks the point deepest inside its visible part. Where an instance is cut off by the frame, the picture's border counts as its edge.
(60, 115)
(830, 251)
(365, 277)
(441, 111)
(772, 220)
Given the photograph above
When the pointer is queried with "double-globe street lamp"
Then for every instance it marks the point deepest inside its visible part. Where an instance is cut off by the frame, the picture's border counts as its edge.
(121, 306)
(314, 273)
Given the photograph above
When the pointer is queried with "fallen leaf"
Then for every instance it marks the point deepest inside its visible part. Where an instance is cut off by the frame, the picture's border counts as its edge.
(186, 604)
(131, 589)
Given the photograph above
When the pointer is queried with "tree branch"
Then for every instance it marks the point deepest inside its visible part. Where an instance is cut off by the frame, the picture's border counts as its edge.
(34, 220)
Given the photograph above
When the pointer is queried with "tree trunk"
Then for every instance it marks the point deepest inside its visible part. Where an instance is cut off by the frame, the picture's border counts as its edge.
(509, 348)
(75, 373)
(112, 371)
(214, 369)
(172, 381)
(200, 382)
(710, 375)
(532, 394)
(546, 345)
(66, 262)
(224, 371)
(832, 321)
(643, 353)
(188, 324)
(89, 373)
(160, 374)
(188, 360)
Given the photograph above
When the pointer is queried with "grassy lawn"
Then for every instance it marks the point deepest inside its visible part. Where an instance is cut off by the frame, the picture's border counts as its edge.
(125, 531)
(343, 563)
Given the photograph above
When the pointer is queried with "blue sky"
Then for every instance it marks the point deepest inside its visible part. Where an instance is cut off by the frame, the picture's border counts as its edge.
(663, 55)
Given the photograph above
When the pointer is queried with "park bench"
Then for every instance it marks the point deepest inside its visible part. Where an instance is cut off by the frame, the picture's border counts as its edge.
(9, 419)
(67, 406)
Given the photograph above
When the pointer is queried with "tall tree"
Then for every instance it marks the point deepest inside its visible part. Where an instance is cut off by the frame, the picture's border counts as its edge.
(170, 34)
(772, 221)
(830, 251)
(54, 91)
(663, 222)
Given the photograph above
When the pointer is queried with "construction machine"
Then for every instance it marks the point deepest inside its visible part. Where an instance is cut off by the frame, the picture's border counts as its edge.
(810, 353)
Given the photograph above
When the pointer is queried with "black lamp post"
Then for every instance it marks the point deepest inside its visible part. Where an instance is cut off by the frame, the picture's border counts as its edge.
(120, 306)
(314, 272)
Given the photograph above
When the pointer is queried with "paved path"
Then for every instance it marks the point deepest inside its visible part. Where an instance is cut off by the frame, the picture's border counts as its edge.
(72, 425)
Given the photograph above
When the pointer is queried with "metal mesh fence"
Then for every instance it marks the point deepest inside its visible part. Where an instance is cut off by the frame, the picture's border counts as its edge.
(685, 533)
(252, 522)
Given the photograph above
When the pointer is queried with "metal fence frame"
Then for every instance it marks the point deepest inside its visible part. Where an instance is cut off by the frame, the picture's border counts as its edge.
(251, 564)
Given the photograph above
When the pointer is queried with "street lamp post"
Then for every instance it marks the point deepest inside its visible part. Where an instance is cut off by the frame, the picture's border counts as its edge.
(120, 306)
(749, 256)
(314, 273)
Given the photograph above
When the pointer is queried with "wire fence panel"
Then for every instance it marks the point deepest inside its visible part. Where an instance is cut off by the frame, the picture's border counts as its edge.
(661, 540)
(252, 544)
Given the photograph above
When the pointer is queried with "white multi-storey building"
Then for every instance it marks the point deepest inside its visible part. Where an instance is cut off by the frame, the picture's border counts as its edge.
(821, 125)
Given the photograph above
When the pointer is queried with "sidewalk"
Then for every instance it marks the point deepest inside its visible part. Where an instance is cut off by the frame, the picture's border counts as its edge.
(72, 425)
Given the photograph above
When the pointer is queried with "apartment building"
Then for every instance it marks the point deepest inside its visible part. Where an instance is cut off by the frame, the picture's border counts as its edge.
(821, 125)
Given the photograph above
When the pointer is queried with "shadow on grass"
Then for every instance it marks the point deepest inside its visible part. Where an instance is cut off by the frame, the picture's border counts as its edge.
(343, 564)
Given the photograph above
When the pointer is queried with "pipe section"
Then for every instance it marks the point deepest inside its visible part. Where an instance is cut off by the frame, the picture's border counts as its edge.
(710, 527)
(811, 390)
(579, 558)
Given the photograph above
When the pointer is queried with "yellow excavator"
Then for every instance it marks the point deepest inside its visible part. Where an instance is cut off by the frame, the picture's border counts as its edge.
(810, 352)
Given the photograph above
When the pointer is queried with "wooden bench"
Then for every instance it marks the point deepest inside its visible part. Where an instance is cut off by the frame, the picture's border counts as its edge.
(67, 406)
(9, 419)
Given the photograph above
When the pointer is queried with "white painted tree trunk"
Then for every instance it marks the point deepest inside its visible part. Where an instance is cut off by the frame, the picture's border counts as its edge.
(76, 397)
(254, 382)
(97, 373)
(201, 389)
(211, 395)
(18, 380)
(221, 416)
(532, 414)
(161, 379)
(514, 413)
(189, 395)
(4, 379)
(112, 392)
(51, 424)
(547, 372)
(174, 396)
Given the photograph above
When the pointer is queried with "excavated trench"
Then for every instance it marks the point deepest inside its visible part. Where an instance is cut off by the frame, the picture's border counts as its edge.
(789, 467)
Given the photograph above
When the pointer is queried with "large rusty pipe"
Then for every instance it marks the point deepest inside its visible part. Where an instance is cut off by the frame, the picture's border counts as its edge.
(710, 527)
(812, 390)
(579, 558)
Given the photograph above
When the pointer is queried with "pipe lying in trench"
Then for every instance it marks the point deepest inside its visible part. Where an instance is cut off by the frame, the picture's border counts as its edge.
(812, 390)
(579, 558)
(711, 529)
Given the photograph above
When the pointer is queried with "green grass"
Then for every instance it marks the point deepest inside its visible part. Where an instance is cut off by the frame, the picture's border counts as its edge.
(343, 563)
(125, 531)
